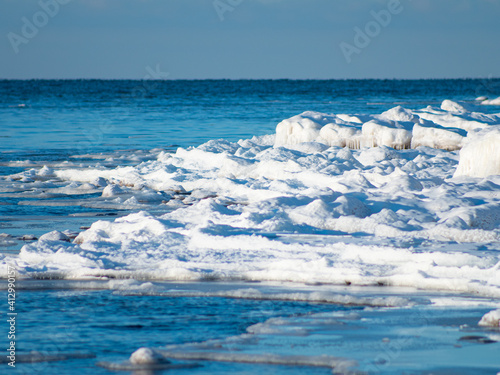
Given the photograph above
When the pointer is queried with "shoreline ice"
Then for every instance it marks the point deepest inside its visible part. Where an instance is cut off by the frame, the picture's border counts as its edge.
(300, 206)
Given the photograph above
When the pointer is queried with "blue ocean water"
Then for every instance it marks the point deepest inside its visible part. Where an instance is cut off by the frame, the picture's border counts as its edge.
(54, 118)
(100, 325)
(116, 123)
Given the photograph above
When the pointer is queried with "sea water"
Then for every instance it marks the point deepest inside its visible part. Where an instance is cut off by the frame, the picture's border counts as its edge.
(91, 325)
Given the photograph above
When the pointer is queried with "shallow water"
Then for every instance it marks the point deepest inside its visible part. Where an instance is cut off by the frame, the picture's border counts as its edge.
(112, 326)
(81, 324)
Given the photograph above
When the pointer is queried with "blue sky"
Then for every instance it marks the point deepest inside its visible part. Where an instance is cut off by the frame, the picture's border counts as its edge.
(250, 38)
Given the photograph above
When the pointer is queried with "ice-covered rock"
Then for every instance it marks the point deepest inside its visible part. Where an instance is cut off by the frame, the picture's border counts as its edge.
(146, 356)
(340, 135)
(329, 129)
(298, 129)
(399, 114)
(54, 236)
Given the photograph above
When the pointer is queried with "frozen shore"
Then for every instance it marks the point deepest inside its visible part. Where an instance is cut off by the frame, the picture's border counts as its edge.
(299, 206)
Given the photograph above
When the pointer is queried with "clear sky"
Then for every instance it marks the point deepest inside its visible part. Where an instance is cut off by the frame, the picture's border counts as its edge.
(249, 38)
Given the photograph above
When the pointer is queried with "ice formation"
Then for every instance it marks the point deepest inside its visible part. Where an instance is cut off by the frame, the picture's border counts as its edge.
(143, 356)
(485, 101)
(297, 206)
(444, 128)
(491, 319)
(480, 157)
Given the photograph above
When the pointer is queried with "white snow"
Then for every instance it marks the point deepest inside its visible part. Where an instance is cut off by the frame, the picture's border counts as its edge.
(143, 356)
(399, 128)
(437, 137)
(480, 157)
(54, 236)
(112, 191)
(451, 106)
(487, 101)
(299, 207)
(491, 319)
(46, 172)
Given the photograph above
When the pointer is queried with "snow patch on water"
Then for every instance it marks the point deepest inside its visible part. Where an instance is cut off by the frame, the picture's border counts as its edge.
(491, 319)
(144, 356)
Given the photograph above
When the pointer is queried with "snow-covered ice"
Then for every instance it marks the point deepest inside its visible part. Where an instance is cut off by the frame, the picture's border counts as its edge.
(480, 157)
(344, 199)
(485, 101)
(144, 356)
(399, 128)
(491, 319)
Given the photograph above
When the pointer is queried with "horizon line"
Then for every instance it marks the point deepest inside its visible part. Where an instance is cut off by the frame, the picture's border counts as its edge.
(250, 79)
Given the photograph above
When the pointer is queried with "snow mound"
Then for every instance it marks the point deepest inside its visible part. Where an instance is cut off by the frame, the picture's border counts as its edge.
(399, 114)
(486, 101)
(451, 106)
(491, 319)
(394, 135)
(54, 236)
(146, 356)
(399, 128)
(299, 129)
(480, 157)
(112, 191)
(46, 172)
(437, 137)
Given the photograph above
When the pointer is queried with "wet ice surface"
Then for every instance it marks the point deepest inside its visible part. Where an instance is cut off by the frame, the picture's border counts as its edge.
(244, 328)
